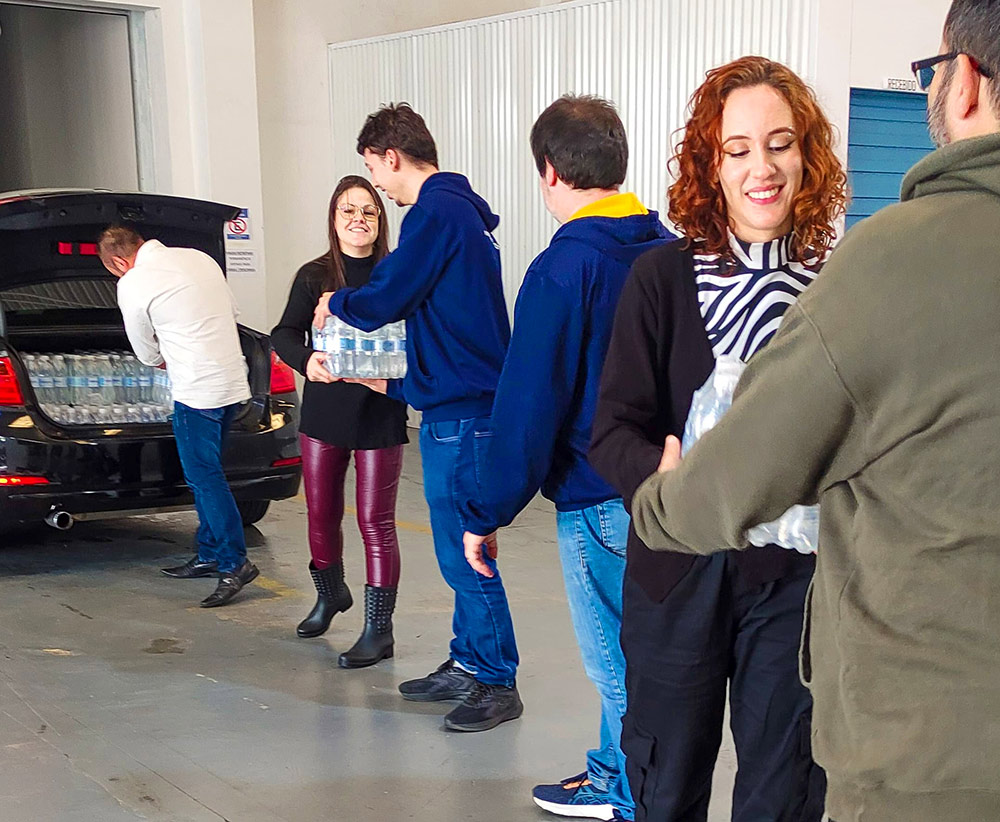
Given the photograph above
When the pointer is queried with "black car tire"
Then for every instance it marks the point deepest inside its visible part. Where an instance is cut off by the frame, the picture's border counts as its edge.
(252, 510)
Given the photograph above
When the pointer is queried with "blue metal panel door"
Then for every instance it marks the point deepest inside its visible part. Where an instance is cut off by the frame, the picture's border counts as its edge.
(887, 136)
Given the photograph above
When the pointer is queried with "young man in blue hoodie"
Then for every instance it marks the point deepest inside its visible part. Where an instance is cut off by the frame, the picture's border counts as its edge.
(444, 280)
(544, 407)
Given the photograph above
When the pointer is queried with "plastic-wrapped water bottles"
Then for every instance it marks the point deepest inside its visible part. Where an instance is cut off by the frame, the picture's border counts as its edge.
(379, 354)
(797, 528)
(84, 388)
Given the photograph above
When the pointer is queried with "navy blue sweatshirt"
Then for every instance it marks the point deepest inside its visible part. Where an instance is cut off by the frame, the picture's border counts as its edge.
(444, 280)
(547, 395)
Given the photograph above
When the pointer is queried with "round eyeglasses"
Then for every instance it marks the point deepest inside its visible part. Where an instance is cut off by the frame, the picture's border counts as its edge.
(348, 211)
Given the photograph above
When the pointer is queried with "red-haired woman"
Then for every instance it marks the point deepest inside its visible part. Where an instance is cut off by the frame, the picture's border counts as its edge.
(341, 419)
(758, 190)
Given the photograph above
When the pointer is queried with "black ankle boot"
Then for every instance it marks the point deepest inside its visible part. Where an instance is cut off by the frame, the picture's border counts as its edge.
(333, 598)
(375, 642)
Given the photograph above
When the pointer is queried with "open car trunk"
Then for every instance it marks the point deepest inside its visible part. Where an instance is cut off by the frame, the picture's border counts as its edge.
(58, 305)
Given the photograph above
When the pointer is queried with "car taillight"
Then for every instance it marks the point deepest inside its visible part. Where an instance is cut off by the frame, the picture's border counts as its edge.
(282, 377)
(19, 480)
(10, 390)
(286, 461)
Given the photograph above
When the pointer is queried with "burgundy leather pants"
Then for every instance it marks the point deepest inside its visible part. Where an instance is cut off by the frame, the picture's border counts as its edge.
(324, 469)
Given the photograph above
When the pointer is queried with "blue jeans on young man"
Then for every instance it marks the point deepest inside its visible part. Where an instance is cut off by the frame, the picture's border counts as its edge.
(200, 435)
(452, 452)
(592, 548)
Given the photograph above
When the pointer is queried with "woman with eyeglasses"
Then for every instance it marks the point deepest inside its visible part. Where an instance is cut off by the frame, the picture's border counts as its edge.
(339, 420)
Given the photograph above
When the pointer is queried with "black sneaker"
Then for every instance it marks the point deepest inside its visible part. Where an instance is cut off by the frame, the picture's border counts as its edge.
(485, 707)
(447, 682)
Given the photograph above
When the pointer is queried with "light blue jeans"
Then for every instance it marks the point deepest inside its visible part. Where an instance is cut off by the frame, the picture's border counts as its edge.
(592, 549)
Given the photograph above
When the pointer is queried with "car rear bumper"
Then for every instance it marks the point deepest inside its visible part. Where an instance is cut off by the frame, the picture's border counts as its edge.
(33, 504)
(96, 474)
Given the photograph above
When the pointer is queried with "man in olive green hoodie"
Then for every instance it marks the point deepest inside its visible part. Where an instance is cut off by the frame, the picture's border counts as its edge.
(880, 397)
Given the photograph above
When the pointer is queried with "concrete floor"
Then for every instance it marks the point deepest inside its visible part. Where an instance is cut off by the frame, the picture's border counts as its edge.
(121, 700)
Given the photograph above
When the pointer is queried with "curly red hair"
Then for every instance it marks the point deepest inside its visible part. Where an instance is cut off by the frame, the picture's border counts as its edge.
(697, 205)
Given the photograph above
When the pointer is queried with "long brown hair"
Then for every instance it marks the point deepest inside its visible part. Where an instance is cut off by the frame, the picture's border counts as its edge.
(697, 204)
(332, 260)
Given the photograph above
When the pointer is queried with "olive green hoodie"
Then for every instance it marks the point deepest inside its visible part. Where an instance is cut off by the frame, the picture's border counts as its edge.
(880, 397)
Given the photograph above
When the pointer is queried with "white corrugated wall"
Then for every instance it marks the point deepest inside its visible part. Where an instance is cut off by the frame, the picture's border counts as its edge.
(481, 84)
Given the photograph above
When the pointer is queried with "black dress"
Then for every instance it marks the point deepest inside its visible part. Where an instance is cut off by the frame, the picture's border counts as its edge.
(341, 414)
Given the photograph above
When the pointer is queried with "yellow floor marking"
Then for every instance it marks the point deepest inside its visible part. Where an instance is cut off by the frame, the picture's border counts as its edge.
(400, 523)
(275, 587)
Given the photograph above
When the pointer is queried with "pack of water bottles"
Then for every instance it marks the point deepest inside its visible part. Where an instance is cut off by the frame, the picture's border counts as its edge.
(379, 354)
(798, 527)
(96, 387)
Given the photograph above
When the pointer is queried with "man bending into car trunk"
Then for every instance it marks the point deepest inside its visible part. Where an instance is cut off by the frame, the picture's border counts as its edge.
(180, 315)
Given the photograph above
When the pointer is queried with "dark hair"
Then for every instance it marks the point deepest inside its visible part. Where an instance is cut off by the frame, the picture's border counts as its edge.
(697, 204)
(333, 261)
(118, 241)
(973, 28)
(583, 138)
(399, 127)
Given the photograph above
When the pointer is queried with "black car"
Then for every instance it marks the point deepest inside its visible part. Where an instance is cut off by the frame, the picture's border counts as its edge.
(57, 299)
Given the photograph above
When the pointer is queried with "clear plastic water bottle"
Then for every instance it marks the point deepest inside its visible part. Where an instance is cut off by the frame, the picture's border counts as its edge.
(105, 375)
(319, 336)
(161, 388)
(31, 366)
(44, 390)
(348, 345)
(383, 352)
(59, 380)
(117, 377)
(365, 363)
(92, 395)
(145, 380)
(130, 379)
(76, 381)
(400, 349)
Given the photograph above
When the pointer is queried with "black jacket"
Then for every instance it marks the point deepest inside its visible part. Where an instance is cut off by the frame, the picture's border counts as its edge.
(341, 414)
(658, 357)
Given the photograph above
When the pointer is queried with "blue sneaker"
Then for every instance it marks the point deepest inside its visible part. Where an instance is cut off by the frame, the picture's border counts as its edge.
(574, 797)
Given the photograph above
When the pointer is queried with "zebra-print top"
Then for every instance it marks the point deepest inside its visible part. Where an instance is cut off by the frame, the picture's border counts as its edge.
(742, 306)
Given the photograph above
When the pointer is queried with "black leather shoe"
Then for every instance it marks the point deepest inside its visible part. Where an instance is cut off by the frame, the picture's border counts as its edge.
(447, 682)
(332, 597)
(230, 584)
(485, 707)
(375, 642)
(192, 568)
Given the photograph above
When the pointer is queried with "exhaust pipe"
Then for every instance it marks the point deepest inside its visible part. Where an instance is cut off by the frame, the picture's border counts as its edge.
(59, 519)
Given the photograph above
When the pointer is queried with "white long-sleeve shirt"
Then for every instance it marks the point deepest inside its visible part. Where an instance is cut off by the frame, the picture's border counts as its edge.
(178, 310)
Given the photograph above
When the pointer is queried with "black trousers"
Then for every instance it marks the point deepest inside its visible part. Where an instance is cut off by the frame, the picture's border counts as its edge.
(710, 631)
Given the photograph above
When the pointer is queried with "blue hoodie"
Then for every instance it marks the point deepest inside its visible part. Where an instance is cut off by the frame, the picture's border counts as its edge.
(545, 402)
(444, 280)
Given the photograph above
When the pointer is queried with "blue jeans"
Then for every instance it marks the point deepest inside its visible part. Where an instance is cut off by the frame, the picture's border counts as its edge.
(200, 434)
(592, 549)
(483, 644)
